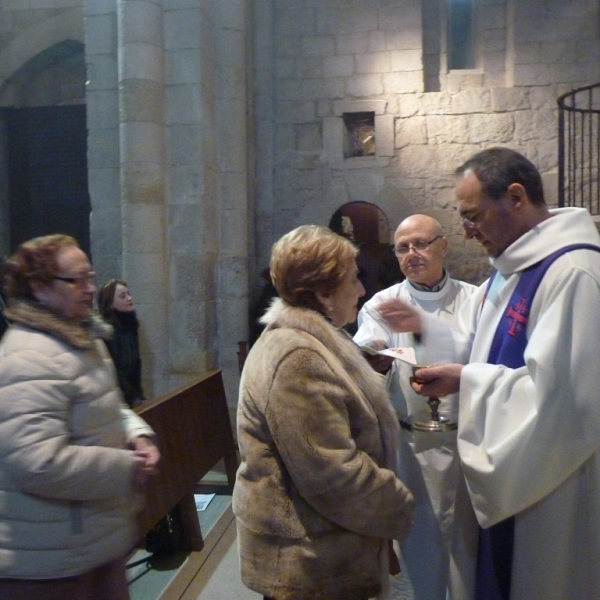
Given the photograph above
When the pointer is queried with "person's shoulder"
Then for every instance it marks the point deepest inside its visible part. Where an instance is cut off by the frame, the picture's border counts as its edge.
(283, 340)
(34, 352)
(283, 352)
(22, 340)
(582, 260)
(20, 337)
(464, 285)
(394, 291)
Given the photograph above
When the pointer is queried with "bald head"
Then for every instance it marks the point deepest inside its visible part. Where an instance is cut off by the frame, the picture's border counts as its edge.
(426, 266)
(421, 223)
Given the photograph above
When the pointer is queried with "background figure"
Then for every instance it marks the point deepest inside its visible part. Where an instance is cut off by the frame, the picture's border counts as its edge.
(71, 454)
(3, 298)
(258, 309)
(3, 321)
(116, 306)
(428, 462)
(316, 496)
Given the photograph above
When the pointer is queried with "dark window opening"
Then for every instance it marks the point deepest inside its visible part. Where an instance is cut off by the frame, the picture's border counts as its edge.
(461, 34)
(359, 134)
(47, 173)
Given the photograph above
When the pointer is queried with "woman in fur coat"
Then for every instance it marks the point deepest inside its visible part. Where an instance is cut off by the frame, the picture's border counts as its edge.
(316, 497)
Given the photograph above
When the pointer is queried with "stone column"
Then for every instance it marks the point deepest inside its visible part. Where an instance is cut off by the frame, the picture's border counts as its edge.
(143, 177)
(231, 23)
(193, 217)
(264, 129)
(102, 99)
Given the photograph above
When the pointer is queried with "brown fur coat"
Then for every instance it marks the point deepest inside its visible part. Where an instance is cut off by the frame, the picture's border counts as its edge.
(316, 494)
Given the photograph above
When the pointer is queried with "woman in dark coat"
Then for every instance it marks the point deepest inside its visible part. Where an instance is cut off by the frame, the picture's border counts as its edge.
(116, 306)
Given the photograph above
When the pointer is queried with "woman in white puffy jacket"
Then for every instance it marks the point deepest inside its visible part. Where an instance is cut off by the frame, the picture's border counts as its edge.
(71, 453)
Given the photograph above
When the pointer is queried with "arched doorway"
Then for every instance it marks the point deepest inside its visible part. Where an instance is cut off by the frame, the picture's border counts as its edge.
(43, 149)
(368, 226)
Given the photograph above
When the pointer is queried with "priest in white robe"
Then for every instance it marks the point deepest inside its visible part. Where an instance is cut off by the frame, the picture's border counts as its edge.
(529, 426)
(428, 462)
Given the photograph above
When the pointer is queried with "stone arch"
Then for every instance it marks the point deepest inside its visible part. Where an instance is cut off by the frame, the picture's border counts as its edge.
(368, 226)
(42, 68)
(63, 61)
(58, 34)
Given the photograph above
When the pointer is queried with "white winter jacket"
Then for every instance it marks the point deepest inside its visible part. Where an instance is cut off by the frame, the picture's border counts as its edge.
(67, 502)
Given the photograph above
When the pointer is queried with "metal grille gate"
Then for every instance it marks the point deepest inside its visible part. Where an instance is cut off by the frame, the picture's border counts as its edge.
(579, 148)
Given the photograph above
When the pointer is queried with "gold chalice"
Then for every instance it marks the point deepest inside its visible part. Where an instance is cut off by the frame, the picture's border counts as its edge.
(436, 422)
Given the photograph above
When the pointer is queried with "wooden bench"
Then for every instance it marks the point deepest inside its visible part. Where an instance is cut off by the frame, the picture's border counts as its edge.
(194, 433)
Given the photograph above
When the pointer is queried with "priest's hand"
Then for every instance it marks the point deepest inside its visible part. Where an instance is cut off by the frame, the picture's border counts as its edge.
(400, 316)
(439, 380)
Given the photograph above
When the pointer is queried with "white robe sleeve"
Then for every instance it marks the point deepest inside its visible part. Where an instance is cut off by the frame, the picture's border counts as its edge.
(372, 326)
(523, 431)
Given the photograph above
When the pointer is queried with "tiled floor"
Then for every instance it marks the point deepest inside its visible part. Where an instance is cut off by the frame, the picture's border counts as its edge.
(219, 578)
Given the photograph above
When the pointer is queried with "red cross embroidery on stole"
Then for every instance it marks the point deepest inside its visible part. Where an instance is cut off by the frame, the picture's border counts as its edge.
(519, 317)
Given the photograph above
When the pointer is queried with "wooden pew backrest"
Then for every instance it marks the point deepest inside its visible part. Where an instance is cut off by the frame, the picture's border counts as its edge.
(193, 434)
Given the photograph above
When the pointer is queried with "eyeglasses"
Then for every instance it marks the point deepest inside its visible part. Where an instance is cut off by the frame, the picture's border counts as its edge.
(82, 280)
(418, 246)
(472, 223)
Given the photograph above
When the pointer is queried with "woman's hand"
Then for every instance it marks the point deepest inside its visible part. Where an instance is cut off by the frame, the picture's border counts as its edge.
(146, 457)
(379, 362)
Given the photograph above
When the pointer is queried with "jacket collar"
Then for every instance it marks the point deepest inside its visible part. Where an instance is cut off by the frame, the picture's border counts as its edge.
(80, 334)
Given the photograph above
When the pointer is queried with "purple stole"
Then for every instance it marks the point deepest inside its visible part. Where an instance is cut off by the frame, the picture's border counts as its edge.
(494, 557)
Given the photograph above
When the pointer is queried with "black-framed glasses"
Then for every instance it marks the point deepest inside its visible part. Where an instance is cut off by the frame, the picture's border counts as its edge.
(78, 280)
(418, 246)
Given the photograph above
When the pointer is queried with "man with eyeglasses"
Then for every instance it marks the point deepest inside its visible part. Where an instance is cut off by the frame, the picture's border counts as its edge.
(429, 463)
(529, 412)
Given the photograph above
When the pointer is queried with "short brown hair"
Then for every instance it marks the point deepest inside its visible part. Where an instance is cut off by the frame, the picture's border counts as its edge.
(106, 297)
(310, 259)
(35, 260)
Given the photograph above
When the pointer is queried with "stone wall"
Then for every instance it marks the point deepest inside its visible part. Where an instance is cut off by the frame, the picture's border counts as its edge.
(327, 54)
(167, 175)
